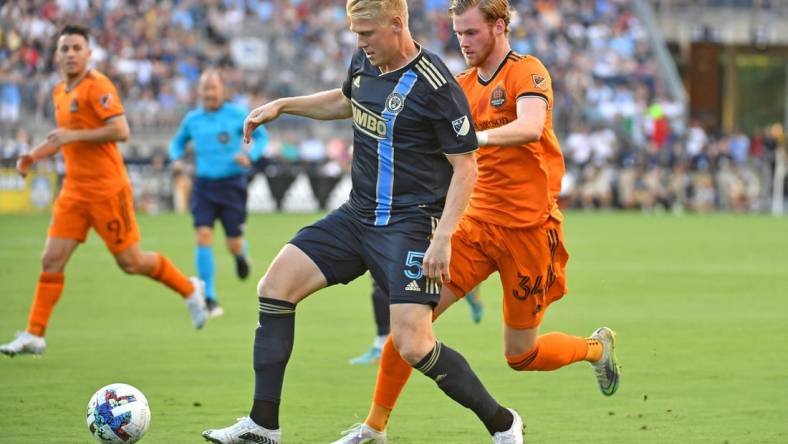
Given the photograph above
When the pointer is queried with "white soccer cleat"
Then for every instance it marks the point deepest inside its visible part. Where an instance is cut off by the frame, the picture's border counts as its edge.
(361, 433)
(512, 436)
(196, 303)
(214, 309)
(24, 344)
(245, 431)
(607, 370)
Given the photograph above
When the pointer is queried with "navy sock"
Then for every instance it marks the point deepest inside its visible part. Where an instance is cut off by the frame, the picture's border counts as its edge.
(380, 304)
(273, 344)
(456, 378)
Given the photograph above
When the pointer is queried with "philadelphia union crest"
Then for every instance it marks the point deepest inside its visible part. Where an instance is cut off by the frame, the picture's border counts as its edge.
(395, 102)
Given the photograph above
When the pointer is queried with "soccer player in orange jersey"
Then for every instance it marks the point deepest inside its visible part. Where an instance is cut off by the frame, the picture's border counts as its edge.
(96, 192)
(513, 223)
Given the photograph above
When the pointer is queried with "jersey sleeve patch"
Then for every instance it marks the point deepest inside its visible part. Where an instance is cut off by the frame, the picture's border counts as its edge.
(540, 81)
(461, 126)
(106, 100)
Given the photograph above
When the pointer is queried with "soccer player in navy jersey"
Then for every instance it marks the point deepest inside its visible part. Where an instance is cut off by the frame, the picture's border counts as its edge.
(413, 172)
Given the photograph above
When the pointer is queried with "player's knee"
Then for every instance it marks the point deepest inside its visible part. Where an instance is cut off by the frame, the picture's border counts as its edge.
(411, 349)
(204, 237)
(271, 287)
(129, 264)
(52, 262)
(126, 266)
(264, 287)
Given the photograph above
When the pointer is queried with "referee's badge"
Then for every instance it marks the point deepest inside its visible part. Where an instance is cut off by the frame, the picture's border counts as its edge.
(461, 126)
(223, 137)
(395, 102)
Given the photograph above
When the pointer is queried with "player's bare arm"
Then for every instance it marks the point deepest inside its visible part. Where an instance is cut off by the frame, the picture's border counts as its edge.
(325, 105)
(527, 128)
(437, 257)
(116, 129)
(41, 151)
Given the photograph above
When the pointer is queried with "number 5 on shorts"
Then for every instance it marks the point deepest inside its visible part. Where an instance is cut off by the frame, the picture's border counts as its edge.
(413, 262)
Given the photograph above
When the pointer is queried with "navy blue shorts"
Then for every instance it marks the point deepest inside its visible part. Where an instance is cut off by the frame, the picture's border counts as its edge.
(344, 248)
(223, 199)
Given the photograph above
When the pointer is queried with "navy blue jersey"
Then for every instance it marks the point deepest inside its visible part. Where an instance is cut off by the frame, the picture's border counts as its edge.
(405, 122)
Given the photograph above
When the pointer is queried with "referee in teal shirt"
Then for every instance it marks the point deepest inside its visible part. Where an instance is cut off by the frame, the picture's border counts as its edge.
(215, 131)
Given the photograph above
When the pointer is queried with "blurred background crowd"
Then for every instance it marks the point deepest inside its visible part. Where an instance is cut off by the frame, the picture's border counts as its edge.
(628, 142)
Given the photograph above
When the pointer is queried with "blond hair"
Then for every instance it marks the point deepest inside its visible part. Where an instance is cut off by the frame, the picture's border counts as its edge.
(377, 9)
(492, 10)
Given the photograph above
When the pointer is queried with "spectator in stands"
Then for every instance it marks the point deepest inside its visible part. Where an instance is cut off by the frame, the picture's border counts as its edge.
(13, 148)
(10, 95)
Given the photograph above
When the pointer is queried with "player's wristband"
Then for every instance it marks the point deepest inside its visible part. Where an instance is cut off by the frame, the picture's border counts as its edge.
(482, 137)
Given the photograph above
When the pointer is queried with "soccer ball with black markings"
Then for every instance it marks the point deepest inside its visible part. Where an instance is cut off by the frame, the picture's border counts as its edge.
(118, 413)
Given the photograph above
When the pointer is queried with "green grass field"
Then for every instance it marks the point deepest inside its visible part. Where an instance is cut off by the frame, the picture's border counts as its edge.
(700, 304)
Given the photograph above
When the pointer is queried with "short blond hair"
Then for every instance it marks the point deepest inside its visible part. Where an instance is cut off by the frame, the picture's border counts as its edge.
(377, 9)
(492, 10)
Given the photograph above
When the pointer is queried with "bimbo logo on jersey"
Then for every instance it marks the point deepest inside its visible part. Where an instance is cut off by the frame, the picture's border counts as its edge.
(368, 122)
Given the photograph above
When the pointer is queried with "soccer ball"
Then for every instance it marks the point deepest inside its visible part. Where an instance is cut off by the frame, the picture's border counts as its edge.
(118, 413)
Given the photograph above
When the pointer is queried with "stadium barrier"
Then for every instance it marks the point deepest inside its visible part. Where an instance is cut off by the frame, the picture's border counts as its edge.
(33, 193)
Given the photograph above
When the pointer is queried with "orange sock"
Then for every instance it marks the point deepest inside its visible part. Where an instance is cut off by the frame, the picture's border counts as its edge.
(48, 290)
(552, 351)
(378, 417)
(166, 273)
(393, 374)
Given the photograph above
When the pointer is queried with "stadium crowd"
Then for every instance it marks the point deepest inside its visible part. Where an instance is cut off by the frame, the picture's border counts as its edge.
(625, 142)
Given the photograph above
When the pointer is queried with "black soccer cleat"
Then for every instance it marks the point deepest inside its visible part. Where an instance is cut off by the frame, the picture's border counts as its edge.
(242, 267)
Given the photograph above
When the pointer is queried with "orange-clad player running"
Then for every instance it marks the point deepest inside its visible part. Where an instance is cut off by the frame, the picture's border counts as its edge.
(513, 224)
(96, 192)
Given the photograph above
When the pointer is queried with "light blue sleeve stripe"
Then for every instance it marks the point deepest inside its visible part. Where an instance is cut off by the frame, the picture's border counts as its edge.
(385, 185)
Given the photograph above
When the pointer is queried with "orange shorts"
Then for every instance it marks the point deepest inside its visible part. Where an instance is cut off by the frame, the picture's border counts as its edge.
(112, 218)
(530, 261)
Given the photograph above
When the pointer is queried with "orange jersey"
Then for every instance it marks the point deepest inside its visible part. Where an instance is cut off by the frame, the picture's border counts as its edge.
(518, 186)
(94, 171)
